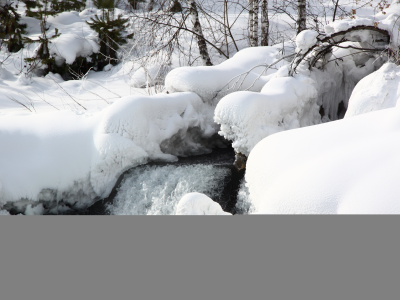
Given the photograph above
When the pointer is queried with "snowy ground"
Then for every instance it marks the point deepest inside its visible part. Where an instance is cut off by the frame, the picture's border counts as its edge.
(70, 140)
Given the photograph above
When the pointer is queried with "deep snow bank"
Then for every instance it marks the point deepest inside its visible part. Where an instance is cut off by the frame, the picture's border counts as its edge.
(211, 83)
(347, 166)
(377, 91)
(43, 159)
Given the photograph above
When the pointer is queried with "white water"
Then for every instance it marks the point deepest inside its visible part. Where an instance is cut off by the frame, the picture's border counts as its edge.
(156, 190)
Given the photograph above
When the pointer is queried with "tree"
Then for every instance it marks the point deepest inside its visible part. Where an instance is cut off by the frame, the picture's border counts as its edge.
(111, 30)
(301, 16)
(10, 29)
(199, 33)
(41, 10)
(264, 23)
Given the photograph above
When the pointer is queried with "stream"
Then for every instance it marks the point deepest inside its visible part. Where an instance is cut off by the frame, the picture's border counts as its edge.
(156, 188)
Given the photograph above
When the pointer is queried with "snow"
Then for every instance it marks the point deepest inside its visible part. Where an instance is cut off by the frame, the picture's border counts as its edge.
(4, 213)
(198, 204)
(376, 91)
(284, 103)
(76, 154)
(70, 46)
(211, 83)
(349, 166)
(389, 21)
(305, 40)
(149, 76)
(291, 102)
(83, 160)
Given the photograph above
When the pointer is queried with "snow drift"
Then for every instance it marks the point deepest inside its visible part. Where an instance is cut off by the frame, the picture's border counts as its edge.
(41, 159)
(349, 166)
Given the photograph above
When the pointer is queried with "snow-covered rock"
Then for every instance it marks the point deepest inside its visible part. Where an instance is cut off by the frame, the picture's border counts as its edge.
(349, 166)
(284, 103)
(378, 90)
(199, 204)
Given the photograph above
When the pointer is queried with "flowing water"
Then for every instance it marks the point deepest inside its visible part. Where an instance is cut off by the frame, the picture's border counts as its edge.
(156, 188)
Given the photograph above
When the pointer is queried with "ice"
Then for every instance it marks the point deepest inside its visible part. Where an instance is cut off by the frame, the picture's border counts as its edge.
(199, 204)
(349, 166)
(157, 190)
(244, 206)
(377, 91)
(37, 210)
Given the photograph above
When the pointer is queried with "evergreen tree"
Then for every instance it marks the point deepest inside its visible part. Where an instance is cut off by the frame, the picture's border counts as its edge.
(41, 10)
(10, 29)
(111, 30)
(67, 5)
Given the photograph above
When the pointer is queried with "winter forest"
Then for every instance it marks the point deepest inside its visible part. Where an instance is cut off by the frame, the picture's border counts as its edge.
(199, 107)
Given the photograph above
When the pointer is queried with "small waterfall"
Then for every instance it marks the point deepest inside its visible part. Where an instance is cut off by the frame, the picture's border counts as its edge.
(156, 190)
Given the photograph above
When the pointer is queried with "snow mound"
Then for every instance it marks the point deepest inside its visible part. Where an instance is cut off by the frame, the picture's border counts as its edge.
(284, 103)
(378, 90)
(83, 160)
(305, 40)
(349, 166)
(199, 204)
(70, 46)
(207, 82)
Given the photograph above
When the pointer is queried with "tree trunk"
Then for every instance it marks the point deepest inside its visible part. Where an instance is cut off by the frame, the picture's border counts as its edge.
(301, 15)
(251, 23)
(264, 23)
(201, 42)
(255, 22)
